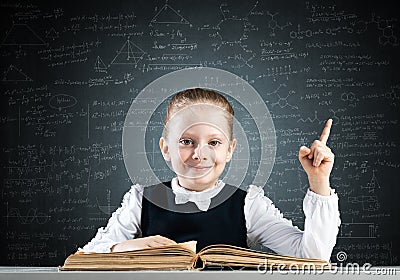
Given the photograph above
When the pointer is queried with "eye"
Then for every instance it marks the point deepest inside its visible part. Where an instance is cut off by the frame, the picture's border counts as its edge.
(214, 143)
(186, 142)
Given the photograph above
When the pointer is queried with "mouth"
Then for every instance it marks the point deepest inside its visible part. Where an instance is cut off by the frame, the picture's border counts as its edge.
(200, 168)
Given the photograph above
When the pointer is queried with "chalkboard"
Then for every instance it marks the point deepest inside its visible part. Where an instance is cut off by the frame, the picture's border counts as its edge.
(70, 72)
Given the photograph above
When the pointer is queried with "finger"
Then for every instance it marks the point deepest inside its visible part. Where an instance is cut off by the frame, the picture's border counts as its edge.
(304, 151)
(164, 240)
(322, 156)
(325, 133)
(316, 148)
(154, 243)
(318, 159)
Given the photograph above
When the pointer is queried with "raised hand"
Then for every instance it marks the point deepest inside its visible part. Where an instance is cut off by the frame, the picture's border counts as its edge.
(317, 162)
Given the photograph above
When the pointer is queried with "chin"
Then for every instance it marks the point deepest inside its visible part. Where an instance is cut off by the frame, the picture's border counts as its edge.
(199, 183)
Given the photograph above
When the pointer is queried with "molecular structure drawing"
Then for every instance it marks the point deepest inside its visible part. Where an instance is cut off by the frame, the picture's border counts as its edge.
(385, 26)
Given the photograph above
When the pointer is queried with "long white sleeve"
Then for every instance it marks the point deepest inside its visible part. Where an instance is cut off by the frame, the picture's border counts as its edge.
(124, 223)
(267, 226)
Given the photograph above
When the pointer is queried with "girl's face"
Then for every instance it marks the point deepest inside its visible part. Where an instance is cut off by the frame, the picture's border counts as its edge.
(197, 145)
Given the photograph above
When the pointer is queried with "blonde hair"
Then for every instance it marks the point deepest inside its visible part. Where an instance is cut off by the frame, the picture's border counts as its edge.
(194, 96)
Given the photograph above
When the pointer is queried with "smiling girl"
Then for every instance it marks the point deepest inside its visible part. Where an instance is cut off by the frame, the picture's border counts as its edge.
(196, 205)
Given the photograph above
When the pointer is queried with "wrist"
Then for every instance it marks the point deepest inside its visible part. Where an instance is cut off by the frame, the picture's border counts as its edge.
(320, 186)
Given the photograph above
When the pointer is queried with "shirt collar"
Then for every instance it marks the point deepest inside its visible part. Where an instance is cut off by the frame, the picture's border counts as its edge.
(202, 199)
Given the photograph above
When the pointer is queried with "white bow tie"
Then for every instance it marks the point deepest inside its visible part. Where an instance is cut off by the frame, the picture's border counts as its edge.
(203, 205)
(201, 199)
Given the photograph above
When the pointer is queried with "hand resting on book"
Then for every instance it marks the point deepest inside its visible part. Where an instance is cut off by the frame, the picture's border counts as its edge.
(142, 243)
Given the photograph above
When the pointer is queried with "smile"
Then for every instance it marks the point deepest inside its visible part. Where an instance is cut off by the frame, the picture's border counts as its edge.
(200, 168)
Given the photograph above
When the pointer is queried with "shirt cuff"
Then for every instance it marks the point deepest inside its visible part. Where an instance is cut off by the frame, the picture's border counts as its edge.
(98, 248)
(325, 205)
(315, 196)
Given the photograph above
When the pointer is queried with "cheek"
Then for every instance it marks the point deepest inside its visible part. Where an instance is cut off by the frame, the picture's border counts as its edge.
(184, 154)
(221, 157)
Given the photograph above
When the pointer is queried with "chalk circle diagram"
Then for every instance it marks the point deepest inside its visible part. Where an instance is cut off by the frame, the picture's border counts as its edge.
(234, 88)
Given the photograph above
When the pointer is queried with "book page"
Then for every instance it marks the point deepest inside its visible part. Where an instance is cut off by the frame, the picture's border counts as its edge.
(190, 245)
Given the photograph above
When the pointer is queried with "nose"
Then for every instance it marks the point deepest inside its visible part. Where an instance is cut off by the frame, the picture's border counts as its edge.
(199, 152)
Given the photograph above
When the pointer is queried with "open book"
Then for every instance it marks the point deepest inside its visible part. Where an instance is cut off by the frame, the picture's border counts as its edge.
(183, 256)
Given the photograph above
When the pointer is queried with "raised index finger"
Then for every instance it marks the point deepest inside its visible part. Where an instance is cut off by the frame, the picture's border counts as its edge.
(325, 133)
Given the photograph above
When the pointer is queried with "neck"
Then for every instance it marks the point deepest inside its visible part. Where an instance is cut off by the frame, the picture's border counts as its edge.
(197, 187)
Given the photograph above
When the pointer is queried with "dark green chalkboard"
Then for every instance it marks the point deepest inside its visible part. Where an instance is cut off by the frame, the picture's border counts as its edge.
(70, 71)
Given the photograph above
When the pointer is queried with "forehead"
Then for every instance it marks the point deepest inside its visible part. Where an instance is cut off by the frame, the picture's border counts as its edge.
(199, 130)
(205, 115)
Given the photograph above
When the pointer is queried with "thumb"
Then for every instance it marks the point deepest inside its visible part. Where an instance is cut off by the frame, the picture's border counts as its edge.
(304, 151)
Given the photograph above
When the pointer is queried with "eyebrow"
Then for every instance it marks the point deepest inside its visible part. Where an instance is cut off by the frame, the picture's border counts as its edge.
(209, 136)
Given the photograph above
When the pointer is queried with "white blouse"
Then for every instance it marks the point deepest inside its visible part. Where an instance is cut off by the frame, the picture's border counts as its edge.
(264, 222)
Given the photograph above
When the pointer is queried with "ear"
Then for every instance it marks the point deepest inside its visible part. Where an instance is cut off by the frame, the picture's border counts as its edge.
(164, 149)
(231, 149)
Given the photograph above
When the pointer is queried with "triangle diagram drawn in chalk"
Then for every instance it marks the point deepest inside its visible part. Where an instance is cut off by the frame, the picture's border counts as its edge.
(168, 15)
(22, 34)
(52, 34)
(129, 53)
(12, 74)
(99, 65)
(373, 184)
